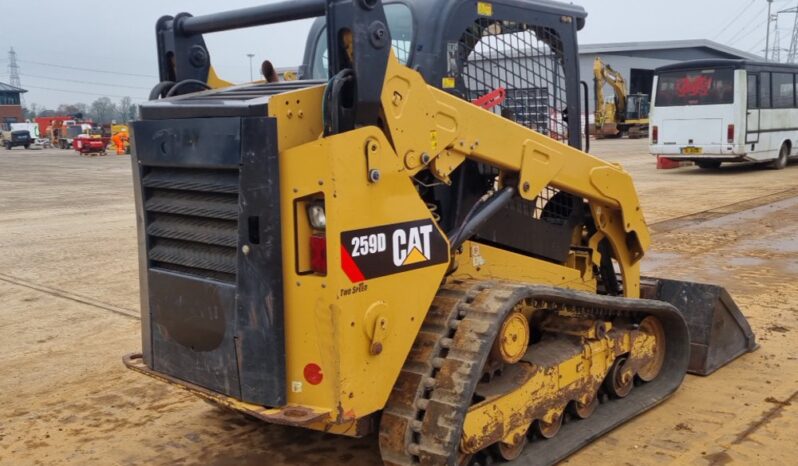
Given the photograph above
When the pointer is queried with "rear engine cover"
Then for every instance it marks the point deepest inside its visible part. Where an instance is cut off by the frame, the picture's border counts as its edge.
(208, 211)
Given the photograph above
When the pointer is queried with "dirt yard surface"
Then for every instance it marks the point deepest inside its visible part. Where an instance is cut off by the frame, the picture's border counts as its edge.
(69, 311)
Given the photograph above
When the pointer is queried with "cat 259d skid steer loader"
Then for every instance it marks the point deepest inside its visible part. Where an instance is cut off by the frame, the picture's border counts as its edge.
(413, 244)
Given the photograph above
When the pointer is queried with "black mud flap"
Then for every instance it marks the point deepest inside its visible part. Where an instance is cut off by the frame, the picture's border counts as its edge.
(719, 333)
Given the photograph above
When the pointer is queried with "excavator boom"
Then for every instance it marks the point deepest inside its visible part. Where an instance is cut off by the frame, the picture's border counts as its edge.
(613, 119)
(604, 74)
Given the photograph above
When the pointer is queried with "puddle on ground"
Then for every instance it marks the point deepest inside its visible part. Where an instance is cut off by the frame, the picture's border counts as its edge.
(747, 261)
(752, 215)
(654, 261)
(785, 245)
(719, 459)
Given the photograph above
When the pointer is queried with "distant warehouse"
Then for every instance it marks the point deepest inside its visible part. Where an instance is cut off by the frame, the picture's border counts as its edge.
(636, 61)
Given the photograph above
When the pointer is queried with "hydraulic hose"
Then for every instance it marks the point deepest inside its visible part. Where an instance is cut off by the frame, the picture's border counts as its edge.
(159, 89)
(331, 104)
(173, 91)
(475, 220)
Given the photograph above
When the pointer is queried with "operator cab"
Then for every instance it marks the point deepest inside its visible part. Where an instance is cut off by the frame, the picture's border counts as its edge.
(539, 80)
(523, 65)
(637, 106)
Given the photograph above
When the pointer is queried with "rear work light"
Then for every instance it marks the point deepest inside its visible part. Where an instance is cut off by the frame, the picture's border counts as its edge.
(317, 216)
(655, 134)
(730, 134)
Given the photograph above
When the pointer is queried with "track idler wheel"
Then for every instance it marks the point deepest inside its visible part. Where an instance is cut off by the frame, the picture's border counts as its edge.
(652, 327)
(620, 379)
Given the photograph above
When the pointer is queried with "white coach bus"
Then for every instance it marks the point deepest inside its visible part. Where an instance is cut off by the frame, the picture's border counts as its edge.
(716, 111)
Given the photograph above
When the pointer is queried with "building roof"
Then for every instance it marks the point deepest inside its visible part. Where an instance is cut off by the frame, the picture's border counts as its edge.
(667, 44)
(9, 88)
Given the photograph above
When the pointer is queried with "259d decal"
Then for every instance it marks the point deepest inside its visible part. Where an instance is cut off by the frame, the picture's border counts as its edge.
(388, 249)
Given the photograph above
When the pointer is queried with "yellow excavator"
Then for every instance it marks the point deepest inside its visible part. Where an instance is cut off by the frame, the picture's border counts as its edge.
(366, 250)
(625, 114)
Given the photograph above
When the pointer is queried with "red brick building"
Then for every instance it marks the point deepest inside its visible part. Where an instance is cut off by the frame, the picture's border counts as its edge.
(10, 108)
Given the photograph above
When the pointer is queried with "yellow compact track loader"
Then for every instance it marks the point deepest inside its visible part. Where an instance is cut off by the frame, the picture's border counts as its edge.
(366, 250)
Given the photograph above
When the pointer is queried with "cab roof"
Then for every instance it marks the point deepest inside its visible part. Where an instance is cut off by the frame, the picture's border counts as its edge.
(434, 8)
(438, 9)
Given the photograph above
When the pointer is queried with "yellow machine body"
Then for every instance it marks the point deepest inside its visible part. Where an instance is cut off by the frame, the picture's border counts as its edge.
(334, 323)
(448, 343)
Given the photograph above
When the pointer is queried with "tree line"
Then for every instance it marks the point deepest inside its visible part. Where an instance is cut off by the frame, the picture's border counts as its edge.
(102, 110)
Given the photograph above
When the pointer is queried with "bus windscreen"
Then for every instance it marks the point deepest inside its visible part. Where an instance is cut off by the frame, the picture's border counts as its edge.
(695, 87)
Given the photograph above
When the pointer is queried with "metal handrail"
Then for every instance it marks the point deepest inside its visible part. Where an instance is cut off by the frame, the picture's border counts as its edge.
(254, 16)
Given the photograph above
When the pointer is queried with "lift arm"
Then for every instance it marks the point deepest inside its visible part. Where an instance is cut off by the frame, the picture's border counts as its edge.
(433, 129)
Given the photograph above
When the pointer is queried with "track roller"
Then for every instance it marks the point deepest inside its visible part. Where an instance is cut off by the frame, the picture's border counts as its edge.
(620, 379)
(510, 452)
(584, 410)
(548, 430)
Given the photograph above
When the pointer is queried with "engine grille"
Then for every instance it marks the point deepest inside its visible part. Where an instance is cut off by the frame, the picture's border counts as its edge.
(192, 220)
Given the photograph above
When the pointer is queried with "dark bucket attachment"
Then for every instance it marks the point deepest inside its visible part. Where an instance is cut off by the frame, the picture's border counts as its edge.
(719, 332)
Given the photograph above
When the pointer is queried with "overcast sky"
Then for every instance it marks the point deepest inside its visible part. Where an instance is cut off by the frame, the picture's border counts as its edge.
(113, 43)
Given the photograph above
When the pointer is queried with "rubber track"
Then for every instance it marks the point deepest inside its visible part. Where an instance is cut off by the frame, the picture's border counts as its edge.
(422, 422)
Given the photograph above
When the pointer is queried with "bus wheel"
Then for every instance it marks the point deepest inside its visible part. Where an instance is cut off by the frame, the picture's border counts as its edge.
(781, 162)
(712, 164)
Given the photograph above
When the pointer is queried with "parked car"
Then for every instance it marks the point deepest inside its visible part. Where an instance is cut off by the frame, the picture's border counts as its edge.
(19, 138)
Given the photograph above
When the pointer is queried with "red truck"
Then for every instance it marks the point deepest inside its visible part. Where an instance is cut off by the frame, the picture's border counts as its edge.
(45, 122)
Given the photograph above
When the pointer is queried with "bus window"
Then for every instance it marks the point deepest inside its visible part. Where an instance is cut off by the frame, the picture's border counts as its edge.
(764, 90)
(753, 88)
(783, 90)
(695, 87)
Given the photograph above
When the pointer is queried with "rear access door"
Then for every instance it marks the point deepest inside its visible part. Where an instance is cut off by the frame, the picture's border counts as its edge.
(207, 195)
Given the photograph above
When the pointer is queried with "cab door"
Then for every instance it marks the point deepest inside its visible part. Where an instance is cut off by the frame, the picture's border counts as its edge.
(753, 112)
